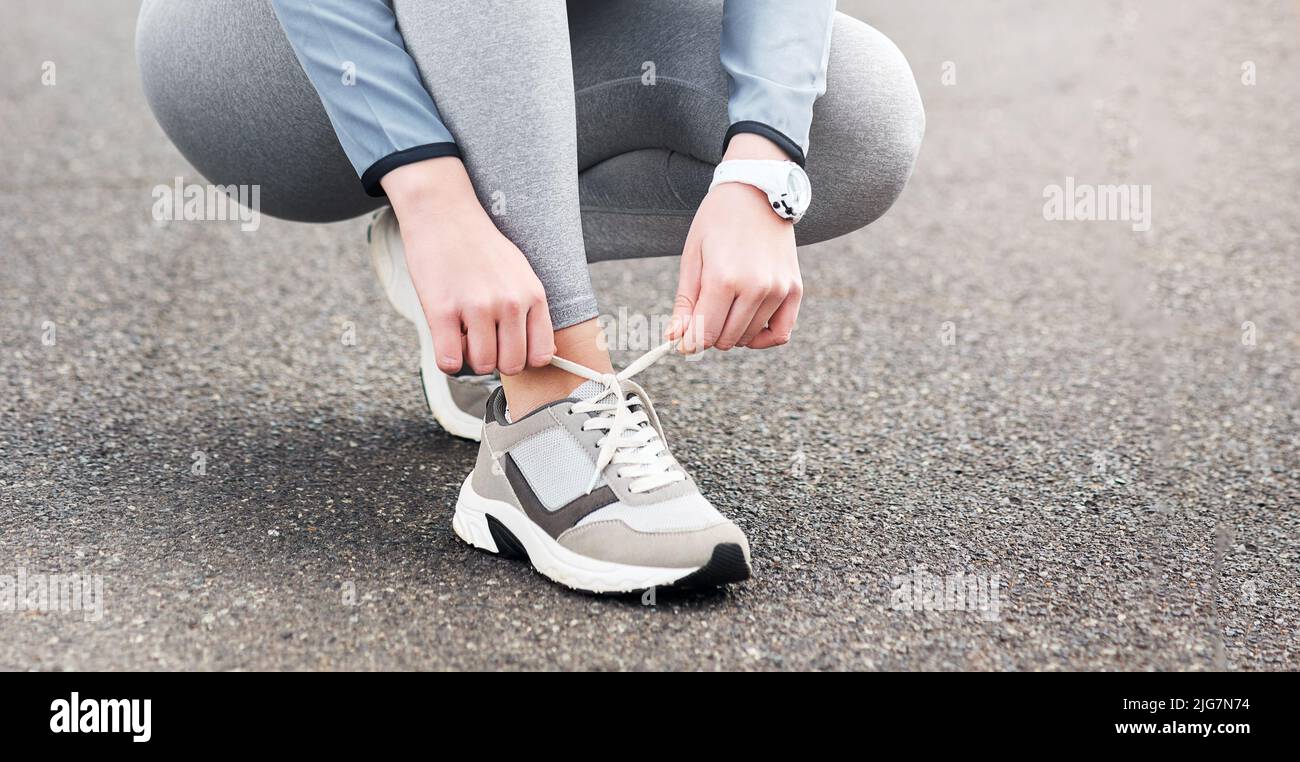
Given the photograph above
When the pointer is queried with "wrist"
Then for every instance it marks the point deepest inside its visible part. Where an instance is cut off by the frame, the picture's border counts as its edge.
(744, 195)
(433, 187)
(783, 183)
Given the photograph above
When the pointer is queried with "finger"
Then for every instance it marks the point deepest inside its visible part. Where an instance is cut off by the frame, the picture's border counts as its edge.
(780, 325)
(706, 321)
(512, 340)
(688, 291)
(761, 316)
(739, 317)
(481, 327)
(444, 327)
(541, 337)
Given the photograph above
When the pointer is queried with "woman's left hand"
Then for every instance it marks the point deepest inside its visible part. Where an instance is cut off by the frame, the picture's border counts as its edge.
(739, 284)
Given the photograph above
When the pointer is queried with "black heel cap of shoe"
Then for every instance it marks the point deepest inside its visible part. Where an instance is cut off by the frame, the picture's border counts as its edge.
(508, 546)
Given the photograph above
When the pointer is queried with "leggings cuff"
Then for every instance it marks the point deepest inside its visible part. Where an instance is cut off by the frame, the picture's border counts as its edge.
(573, 311)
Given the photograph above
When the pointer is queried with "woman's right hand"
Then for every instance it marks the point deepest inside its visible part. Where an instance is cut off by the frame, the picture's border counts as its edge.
(485, 306)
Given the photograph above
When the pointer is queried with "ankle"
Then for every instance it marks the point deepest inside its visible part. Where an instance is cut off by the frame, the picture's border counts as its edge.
(584, 344)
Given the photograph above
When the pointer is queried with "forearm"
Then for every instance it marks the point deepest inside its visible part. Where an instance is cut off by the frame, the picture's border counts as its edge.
(357, 62)
(775, 56)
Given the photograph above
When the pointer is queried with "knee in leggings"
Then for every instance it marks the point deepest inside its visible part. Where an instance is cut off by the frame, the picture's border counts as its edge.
(872, 127)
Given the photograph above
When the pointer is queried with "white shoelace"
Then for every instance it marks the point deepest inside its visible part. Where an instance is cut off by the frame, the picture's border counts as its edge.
(630, 442)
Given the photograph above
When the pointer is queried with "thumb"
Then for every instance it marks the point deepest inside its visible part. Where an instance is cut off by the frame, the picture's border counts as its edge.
(688, 291)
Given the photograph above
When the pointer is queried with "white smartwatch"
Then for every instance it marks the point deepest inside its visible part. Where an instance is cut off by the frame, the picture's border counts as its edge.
(785, 183)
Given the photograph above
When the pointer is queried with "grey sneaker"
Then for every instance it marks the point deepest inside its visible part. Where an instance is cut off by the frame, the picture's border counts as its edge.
(457, 402)
(586, 490)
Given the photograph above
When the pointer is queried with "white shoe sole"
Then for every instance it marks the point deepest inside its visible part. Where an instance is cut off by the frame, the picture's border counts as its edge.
(549, 557)
(389, 261)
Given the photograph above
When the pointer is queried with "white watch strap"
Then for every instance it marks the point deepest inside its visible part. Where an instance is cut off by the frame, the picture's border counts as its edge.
(765, 174)
(773, 178)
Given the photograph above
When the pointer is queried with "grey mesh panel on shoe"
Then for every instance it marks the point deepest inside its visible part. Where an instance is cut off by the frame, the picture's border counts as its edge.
(615, 542)
(556, 466)
(566, 516)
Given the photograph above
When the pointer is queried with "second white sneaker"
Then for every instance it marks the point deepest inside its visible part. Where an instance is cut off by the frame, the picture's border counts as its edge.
(457, 402)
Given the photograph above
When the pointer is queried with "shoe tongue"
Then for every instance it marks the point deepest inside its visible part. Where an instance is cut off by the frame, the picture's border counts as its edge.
(588, 391)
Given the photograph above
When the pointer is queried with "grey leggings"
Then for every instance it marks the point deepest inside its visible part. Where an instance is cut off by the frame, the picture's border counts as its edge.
(579, 154)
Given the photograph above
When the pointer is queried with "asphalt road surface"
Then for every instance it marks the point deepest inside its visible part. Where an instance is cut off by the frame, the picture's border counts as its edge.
(1100, 420)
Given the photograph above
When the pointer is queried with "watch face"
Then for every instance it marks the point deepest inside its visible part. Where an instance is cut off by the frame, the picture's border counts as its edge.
(798, 188)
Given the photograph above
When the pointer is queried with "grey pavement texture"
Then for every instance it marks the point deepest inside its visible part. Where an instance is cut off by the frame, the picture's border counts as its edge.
(1101, 436)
